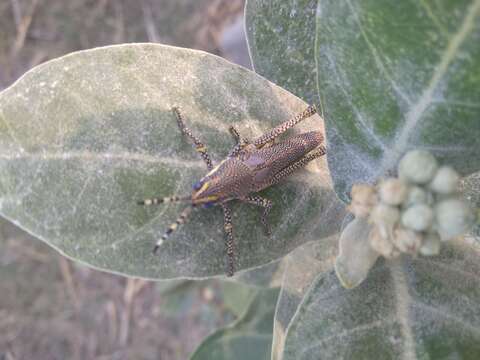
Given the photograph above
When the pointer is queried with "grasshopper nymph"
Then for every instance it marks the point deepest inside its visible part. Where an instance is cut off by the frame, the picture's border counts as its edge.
(250, 166)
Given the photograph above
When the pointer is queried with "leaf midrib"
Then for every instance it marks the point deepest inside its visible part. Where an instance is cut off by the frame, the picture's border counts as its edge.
(414, 115)
(102, 156)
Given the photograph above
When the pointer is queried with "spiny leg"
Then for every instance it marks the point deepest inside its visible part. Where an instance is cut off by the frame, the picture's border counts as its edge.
(156, 201)
(202, 149)
(280, 129)
(320, 151)
(239, 139)
(267, 206)
(229, 241)
(180, 220)
(241, 142)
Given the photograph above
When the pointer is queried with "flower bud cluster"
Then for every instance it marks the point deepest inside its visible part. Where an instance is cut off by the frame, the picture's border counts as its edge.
(415, 212)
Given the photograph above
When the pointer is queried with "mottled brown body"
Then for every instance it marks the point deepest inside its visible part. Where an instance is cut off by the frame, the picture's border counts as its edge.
(253, 169)
(248, 168)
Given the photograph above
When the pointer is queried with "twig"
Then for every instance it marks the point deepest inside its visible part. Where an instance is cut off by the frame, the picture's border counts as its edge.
(28, 251)
(132, 288)
(150, 27)
(17, 12)
(119, 35)
(113, 320)
(68, 279)
(22, 30)
(37, 58)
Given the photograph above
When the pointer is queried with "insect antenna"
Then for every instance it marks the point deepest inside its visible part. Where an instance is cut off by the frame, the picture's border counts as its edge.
(180, 220)
(156, 201)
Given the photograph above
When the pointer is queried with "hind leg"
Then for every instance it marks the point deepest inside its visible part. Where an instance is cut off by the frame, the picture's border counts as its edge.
(280, 129)
(229, 240)
(267, 206)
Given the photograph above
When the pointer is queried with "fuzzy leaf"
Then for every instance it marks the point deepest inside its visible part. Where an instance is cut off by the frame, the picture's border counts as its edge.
(425, 308)
(85, 136)
(471, 190)
(250, 337)
(398, 75)
(302, 266)
(281, 38)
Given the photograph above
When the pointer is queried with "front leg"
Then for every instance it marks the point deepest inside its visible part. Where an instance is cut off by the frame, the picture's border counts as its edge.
(240, 141)
(229, 240)
(202, 149)
(267, 206)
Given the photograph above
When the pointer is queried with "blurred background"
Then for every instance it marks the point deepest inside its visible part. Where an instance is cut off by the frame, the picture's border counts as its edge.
(50, 307)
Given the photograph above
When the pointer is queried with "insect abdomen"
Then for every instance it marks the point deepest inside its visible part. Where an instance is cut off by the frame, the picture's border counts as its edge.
(268, 161)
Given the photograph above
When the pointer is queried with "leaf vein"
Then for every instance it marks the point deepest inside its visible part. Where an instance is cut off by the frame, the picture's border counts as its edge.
(414, 115)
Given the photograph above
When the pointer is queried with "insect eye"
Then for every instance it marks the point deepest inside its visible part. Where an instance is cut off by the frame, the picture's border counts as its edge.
(208, 204)
(197, 185)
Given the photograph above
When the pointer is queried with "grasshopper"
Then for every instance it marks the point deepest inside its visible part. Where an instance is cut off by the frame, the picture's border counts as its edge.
(249, 167)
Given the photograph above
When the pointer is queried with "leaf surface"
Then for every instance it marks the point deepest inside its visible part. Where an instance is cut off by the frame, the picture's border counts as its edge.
(85, 136)
(281, 38)
(396, 76)
(250, 337)
(302, 267)
(425, 308)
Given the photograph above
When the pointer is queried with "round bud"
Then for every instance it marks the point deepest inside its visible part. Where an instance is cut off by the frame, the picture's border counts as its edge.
(431, 245)
(406, 240)
(452, 218)
(382, 245)
(445, 180)
(393, 191)
(385, 217)
(364, 198)
(418, 217)
(417, 166)
(417, 195)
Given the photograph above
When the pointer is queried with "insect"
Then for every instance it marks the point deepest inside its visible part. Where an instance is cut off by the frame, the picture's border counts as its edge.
(249, 167)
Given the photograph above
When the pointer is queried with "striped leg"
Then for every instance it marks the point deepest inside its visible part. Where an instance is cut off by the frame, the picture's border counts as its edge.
(241, 141)
(180, 220)
(280, 129)
(156, 201)
(202, 149)
(320, 151)
(229, 241)
(267, 206)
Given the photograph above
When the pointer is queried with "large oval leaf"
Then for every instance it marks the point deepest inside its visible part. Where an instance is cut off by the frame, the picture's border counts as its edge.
(422, 309)
(397, 75)
(250, 337)
(83, 137)
(281, 37)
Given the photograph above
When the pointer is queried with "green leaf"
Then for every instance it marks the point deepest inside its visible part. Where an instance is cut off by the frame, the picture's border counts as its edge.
(250, 337)
(281, 37)
(471, 190)
(398, 75)
(426, 308)
(237, 297)
(269, 275)
(302, 266)
(85, 136)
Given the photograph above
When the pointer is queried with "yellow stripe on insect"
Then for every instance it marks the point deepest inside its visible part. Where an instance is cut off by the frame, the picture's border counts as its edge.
(204, 187)
(201, 149)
